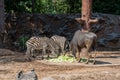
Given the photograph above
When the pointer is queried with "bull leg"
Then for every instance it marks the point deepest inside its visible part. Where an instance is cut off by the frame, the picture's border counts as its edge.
(74, 52)
(88, 45)
(94, 56)
(78, 54)
(88, 58)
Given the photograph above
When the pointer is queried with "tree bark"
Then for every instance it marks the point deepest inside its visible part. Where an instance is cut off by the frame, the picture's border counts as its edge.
(86, 15)
(33, 6)
(1, 15)
(1, 21)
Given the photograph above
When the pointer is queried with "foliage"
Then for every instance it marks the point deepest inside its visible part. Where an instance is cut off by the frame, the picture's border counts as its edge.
(18, 5)
(66, 58)
(51, 6)
(75, 6)
(61, 6)
(106, 6)
(22, 40)
(26, 6)
(63, 59)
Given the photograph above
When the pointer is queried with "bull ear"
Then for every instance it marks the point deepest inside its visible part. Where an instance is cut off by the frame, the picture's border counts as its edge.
(19, 74)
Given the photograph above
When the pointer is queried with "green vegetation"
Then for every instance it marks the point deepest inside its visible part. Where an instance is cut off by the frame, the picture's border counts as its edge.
(22, 40)
(106, 6)
(67, 59)
(51, 6)
(63, 59)
(61, 6)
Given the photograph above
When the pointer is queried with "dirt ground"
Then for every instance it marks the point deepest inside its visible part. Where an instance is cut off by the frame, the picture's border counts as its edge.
(107, 67)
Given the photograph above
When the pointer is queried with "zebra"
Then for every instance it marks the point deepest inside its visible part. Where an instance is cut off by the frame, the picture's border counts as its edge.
(61, 41)
(31, 75)
(54, 47)
(40, 43)
(36, 43)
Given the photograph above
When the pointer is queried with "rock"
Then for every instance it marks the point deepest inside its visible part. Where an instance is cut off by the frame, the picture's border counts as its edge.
(107, 28)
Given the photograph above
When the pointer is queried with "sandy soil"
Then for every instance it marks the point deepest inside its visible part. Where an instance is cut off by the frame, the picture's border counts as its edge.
(106, 68)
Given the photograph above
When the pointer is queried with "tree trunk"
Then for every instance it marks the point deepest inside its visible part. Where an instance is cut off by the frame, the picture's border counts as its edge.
(86, 15)
(1, 15)
(1, 21)
(33, 6)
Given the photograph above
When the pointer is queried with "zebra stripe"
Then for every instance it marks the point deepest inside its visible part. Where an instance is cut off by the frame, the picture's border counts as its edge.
(36, 43)
(41, 43)
(60, 40)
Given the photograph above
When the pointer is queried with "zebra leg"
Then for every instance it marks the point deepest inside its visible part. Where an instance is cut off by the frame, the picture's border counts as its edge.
(57, 52)
(28, 53)
(53, 53)
(32, 53)
(63, 53)
(48, 56)
(27, 56)
(43, 52)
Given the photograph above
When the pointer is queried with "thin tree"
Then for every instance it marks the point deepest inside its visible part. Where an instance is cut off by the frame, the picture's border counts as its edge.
(86, 15)
(33, 6)
(1, 15)
(1, 20)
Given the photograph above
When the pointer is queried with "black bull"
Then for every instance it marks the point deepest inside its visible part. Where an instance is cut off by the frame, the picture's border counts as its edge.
(83, 41)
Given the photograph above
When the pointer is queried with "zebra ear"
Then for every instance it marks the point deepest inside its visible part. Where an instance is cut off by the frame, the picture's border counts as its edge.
(34, 74)
(19, 74)
(33, 70)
